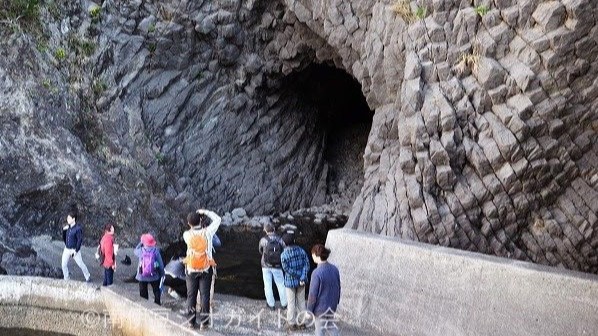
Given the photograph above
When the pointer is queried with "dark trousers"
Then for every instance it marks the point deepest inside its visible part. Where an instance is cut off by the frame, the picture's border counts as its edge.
(155, 287)
(199, 282)
(179, 286)
(108, 276)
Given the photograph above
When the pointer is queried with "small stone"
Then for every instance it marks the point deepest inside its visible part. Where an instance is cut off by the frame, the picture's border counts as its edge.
(239, 213)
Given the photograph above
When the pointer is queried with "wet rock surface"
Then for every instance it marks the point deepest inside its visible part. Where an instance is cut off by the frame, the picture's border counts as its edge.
(238, 259)
(18, 257)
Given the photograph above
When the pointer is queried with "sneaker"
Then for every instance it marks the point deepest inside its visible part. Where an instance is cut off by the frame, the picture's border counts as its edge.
(270, 307)
(186, 312)
(191, 325)
(203, 327)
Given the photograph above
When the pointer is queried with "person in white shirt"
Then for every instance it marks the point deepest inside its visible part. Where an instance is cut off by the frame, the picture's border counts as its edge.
(200, 263)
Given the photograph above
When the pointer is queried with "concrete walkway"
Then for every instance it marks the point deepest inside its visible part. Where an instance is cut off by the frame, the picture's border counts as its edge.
(232, 315)
(51, 252)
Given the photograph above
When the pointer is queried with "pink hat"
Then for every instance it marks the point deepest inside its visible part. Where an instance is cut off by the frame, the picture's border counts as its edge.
(148, 240)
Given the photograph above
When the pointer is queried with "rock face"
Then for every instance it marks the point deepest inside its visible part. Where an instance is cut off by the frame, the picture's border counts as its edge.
(483, 136)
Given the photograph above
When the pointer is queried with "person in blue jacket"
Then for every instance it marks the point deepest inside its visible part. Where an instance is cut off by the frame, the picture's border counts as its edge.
(324, 292)
(295, 265)
(151, 267)
(72, 235)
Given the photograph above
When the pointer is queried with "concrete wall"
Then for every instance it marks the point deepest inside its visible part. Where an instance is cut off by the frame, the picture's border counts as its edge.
(132, 315)
(79, 308)
(407, 288)
(69, 307)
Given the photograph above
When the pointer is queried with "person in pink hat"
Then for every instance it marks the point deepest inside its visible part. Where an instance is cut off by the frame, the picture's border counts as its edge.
(151, 267)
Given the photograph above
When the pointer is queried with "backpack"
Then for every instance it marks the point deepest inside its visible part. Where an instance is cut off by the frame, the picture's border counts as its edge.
(148, 262)
(273, 251)
(197, 253)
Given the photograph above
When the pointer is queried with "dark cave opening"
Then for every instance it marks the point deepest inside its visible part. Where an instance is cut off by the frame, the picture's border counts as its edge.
(345, 119)
(332, 103)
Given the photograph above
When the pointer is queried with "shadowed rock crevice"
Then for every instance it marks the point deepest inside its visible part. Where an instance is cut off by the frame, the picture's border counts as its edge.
(345, 118)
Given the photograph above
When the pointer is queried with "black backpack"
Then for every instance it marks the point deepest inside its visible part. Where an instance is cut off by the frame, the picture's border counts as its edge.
(273, 251)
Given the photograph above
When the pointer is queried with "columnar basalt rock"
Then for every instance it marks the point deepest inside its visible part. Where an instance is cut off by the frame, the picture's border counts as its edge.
(483, 137)
(488, 141)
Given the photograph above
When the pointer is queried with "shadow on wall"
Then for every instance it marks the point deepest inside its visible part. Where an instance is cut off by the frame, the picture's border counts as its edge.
(345, 118)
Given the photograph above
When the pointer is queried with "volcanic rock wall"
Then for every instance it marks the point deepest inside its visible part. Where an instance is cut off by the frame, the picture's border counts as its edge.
(483, 137)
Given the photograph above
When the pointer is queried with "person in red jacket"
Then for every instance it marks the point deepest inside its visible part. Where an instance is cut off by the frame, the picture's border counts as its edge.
(107, 249)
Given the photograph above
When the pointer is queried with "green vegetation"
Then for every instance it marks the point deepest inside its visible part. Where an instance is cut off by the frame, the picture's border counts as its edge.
(42, 47)
(96, 14)
(88, 48)
(81, 46)
(160, 158)
(19, 10)
(20, 15)
(60, 54)
(53, 9)
(403, 9)
(151, 28)
(151, 47)
(421, 12)
(482, 10)
(98, 87)
(48, 85)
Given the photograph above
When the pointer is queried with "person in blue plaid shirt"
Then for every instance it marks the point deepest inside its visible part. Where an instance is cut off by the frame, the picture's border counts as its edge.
(295, 264)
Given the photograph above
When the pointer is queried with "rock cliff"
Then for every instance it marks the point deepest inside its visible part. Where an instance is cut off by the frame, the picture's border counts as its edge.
(483, 134)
